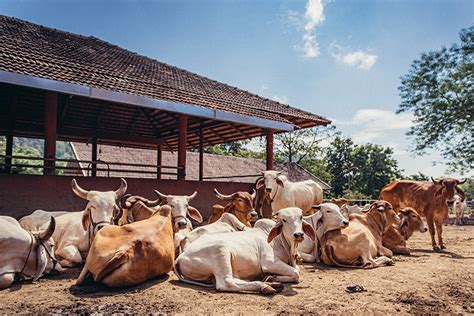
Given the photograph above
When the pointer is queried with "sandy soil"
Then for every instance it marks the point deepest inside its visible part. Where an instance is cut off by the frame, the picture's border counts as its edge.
(425, 282)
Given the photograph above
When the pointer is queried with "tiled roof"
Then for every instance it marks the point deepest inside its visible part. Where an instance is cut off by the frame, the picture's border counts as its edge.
(39, 51)
(227, 167)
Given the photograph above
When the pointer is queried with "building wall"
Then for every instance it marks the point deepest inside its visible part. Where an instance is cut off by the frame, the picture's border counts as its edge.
(22, 194)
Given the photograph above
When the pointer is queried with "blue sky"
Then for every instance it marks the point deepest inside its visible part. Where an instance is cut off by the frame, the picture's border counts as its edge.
(340, 59)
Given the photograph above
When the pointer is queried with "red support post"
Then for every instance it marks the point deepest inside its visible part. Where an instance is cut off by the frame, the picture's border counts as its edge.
(50, 131)
(94, 157)
(269, 149)
(159, 161)
(201, 154)
(182, 140)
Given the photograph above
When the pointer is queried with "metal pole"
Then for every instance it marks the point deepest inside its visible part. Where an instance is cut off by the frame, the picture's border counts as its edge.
(50, 131)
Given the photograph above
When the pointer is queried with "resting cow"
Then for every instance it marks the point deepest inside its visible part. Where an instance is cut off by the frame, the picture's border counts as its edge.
(360, 243)
(340, 202)
(232, 258)
(284, 193)
(327, 218)
(24, 254)
(354, 209)
(396, 236)
(459, 206)
(75, 230)
(239, 204)
(431, 199)
(128, 255)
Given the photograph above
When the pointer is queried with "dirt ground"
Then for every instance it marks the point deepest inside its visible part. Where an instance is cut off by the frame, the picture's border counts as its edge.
(425, 282)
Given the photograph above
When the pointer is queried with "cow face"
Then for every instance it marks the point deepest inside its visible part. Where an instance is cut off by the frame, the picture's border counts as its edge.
(448, 188)
(241, 202)
(457, 201)
(291, 225)
(410, 222)
(385, 209)
(271, 180)
(45, 259)
(101, 206)
(180, 208)
(327, 218)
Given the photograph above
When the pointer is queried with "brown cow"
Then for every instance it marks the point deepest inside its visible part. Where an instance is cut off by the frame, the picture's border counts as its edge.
(262, 204)
(128, 255)
(239, 204)
(340, 202)
(396, 236)
(431, 199)
(358, 244)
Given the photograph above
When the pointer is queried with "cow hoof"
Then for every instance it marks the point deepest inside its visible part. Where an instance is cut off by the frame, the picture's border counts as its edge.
(267, 289)
(443, 247)
(436, 248)
(390, 262)
(277, 286)
(369, 265)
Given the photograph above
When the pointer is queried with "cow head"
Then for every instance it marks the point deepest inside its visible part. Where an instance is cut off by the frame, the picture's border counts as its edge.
(270, 181)
(458, 201)
(384, 214)
(180, 208)
(340, 202)
(101, 207)
(351, 209)
(45, 259)
(133, 211)
(328, 217)
(291, 225)
(446, 188)
(410, 222)
(240, 202)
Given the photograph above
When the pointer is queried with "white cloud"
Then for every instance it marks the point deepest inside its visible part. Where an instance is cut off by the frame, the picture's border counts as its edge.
(280, 98)
(359, 58)
(314, 14)
(264, 87)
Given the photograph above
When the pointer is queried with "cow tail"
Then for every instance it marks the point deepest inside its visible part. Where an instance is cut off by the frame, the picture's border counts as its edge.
(114, 263)
(333, 258)
(180, 276)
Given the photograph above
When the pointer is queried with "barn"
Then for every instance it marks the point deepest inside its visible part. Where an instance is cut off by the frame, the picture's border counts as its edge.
(59, 86)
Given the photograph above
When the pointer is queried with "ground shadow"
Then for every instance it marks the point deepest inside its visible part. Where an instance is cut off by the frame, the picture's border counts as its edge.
(444, 253)
(91, 289)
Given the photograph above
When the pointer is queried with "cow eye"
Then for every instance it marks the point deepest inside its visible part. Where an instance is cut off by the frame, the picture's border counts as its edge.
(284, 220)
(328, 211)
(301, 217)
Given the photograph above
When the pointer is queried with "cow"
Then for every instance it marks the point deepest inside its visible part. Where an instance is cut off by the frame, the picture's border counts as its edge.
(358, 245)
(25, 254)
(339, 202)
(226, 224)
(75, 230)
(233, 258)
(284, 193)
(431, 199)
(36, 220)
(239, 204)
(180, 208)
(328, 217)
(459, 207)
(123, 256)
(396, 236)
(352, 209)
(261, 202)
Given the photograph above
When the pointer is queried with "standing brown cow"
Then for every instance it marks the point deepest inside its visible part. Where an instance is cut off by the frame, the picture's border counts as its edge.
(431, 199)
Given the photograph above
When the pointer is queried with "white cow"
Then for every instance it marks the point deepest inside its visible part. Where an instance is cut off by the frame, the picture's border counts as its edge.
(75, 230)
(284, 193)
(24, 254)
(354, 209)
(225, 224)
(327, 218)
(268, 249)
(459, 207)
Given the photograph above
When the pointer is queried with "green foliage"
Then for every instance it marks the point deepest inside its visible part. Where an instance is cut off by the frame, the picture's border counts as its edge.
(468, 188)
(237, 148)
(339, 162)
(439, 91)
(356, 195)
(417, 177)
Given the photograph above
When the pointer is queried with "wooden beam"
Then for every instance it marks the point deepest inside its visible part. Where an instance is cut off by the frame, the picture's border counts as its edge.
(269, 149)
(182, 140)
(50, 131)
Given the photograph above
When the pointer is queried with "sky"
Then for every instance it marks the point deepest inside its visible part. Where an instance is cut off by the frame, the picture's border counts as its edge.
(340, 59)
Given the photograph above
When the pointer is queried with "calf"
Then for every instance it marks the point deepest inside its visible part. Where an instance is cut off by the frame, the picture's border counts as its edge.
(128, 255)
(359, 243)
(459, 207)
(233, 258)
(327, 218)
(396, 236)
(24, 254)
(239, 204)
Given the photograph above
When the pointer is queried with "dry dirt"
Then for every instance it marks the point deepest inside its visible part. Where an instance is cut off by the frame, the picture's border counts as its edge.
(425, 282)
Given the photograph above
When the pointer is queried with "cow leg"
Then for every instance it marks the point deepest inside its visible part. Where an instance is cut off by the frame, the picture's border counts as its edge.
(84, 274)
(439, 230)
(308, 257)
(383, 251)
(70, 255)
(281, 272)
(231, 284)
(429, 221)
(6, 280)
(401, 250)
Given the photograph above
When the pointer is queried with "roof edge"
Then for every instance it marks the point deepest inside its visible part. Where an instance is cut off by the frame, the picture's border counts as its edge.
(121, 97)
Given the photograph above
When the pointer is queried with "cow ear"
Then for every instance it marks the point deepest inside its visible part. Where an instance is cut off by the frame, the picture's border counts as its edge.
(403, 212)
(41, 262)
(86, 219)
(318, 217)
(280, 182)
(194, 214)
(275, 232)
(308, 230)
(260, 183)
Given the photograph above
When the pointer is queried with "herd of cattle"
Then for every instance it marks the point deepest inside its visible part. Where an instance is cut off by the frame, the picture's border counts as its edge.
(253, 243)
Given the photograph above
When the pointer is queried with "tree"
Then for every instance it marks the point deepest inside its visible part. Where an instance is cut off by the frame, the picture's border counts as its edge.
(373, 168)
(420, 176)
(339, 162)
(439, 91)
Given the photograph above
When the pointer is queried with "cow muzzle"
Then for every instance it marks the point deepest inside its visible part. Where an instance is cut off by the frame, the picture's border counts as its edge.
(298, 236)
(450, 203)
(345, 223)
(181, 224)
(268, 190)
(252, 216)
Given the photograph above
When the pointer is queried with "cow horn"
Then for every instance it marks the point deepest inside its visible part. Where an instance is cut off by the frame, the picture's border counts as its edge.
(80, 192)
(222, 196)
(124, 203)
(123, 188)
(462, 181)
(192, 196)
(48, 232)
(434, 180)
(254, 194)
(161, 195)
(153, 203)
